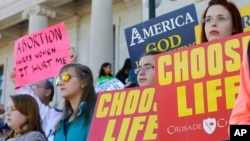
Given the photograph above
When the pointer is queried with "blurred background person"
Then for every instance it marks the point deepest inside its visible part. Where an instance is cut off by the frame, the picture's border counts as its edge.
(105, 73)
(123, 73)
(241, 111)
(131, 81)
(44, 89)
(4, 128)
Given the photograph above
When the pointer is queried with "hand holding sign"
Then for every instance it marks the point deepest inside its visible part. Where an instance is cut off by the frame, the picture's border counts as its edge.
(72, 54)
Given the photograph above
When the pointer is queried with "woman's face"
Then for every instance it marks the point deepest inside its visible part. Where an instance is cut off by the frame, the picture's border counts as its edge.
(146, 75)
(108, 69)
(218, 23)
(14, 118)
(73, 87)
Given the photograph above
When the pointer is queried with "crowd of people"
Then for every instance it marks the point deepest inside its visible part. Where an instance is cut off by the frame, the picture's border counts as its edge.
(30, 117)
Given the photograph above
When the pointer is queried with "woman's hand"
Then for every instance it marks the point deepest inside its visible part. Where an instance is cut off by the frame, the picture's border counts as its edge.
(72, 54)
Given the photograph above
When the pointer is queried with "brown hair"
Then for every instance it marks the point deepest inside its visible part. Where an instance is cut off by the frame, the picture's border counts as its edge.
(152, 52)
(88, 95)
(234, 12)
(27, 106)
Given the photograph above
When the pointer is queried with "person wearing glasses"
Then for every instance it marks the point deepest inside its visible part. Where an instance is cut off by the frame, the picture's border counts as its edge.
(220, 19)
(75, 82)
(146, 69)
(22, 116)
(44, 90)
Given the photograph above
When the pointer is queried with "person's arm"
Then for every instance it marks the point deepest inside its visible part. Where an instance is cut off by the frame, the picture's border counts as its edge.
(27, 90)
(131, 81)
(241, 111)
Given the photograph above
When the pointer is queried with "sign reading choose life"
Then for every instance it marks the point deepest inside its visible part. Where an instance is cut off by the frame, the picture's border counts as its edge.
(196, 88)
(40, 55)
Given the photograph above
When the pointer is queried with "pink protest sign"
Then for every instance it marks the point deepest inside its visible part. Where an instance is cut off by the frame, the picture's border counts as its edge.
(40, 55)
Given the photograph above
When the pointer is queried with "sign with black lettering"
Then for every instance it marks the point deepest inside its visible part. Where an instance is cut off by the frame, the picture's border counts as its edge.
(239, 132)
(113, 84)
(41, 54)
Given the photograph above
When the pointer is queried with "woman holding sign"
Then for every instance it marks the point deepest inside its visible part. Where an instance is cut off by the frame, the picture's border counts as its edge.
(220, 19)
(76, 84)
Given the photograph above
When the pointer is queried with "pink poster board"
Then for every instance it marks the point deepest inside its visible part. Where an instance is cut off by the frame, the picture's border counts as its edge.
(40, 55)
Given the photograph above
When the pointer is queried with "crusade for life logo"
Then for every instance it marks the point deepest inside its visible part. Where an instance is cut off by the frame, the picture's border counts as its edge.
(209, 125)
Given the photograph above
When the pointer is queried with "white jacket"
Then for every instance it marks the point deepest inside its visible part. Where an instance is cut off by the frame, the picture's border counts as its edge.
(50, 116)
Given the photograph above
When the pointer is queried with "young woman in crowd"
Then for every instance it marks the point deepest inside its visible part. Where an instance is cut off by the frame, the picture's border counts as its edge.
(105, 73)
(22, 116)
(220, 19)
(75, 82)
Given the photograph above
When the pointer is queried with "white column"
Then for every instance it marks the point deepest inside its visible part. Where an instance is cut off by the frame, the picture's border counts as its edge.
(38, 17)
(101, 35)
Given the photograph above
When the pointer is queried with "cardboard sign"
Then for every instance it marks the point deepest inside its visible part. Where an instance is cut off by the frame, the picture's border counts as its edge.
(169, 31)
(125, 115)
(196, 88)
(245, 14)
(40, 55)
(113, 84)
